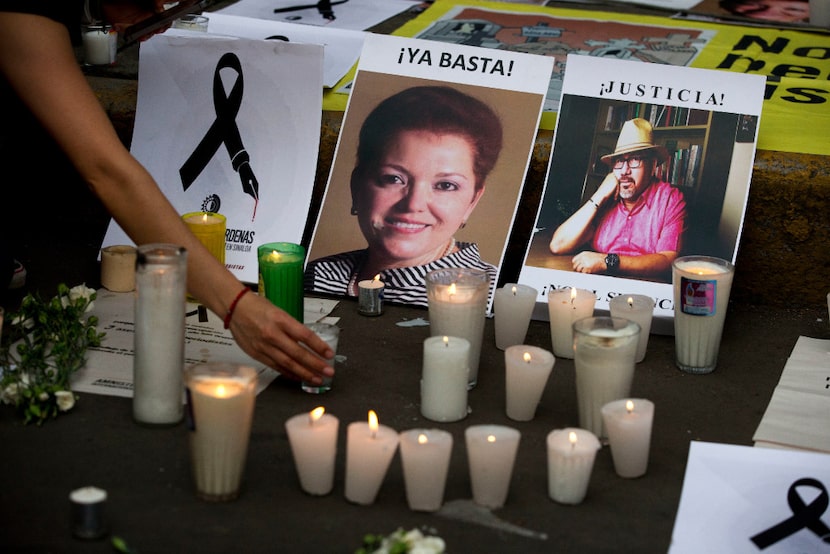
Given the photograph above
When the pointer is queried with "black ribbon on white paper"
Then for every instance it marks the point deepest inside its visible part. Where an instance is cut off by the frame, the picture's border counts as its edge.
(224, 130)
(805, 516)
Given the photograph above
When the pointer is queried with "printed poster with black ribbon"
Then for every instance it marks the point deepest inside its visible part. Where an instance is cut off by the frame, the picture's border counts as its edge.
(749, 500)
(232, 126)
(649, 162)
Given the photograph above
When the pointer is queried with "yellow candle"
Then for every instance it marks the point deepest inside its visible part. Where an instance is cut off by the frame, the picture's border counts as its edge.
(209, 228)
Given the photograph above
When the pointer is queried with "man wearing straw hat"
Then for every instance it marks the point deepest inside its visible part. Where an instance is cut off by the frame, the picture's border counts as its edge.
(633, 224)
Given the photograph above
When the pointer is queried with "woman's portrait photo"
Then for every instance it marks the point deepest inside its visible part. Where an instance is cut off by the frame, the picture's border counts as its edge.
(426, 175)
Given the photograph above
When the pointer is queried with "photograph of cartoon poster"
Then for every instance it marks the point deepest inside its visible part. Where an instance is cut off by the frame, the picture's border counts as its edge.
(649, 162)
(429, 166)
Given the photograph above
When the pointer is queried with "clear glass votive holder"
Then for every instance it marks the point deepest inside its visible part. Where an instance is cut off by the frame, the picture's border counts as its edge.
(701, 295)
(331, 335)
(192, 22)
(100, 42)
(220, 398)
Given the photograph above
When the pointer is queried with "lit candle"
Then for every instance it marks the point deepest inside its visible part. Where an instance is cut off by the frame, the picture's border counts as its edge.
(605, 348)
(491, 453)
(281, 276)
(370, 296)
(99, 43)
(629, 422)
(701, 295)
(88, 516)
(313, 441)
(513, 308)
(221, 399)
(118, 268)
(209, 228)
(527, 369)
(457, 299)
(564, 307)
(571, 454)
(425, 457)
(444, 378)
(369, 451)
(639, 309)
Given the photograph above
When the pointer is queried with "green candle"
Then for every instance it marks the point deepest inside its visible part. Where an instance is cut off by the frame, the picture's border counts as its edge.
(281, 276)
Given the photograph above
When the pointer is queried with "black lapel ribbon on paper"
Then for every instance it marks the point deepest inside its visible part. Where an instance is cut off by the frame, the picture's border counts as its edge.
(224, 130)
(805, 516)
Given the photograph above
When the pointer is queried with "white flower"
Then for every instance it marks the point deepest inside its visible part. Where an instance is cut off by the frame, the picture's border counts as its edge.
(428, 545)
(76, 292)
(43, 397)
(10, 394)
(65, 399)
(416, 542)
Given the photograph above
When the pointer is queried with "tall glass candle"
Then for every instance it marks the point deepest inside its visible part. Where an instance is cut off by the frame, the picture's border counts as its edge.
(513, 308)
(639, 309)
(564, 307)
(457, 299)
(491, 454)
(605, 348)
(571, 454)
(369, 451)
(221, 398)
(281, 276)
(444, 378)
(701, 295)
(313, 441)
(425, 457)
(209, 228)
(527, 369)
(628, 422)
(158, 364)
(100, 43)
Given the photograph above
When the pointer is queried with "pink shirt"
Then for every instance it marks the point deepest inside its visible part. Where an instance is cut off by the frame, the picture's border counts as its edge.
(654, 225)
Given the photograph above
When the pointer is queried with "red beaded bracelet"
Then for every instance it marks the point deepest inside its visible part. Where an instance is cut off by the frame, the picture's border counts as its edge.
(232, 307)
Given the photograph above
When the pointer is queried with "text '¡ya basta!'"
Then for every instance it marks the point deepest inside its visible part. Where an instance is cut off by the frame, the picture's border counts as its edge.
(474, 64)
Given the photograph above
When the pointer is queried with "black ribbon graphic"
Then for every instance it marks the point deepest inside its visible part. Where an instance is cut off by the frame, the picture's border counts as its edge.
(224, 130)
(804, 516)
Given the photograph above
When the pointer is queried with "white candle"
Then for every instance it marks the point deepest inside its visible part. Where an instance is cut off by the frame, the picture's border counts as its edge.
(330, 334)
(444, 378)
(639, 309)
(99, 42)
(370, 296)
(118, 267)
(605, 348)
(513, 308)
(491, 454)
(313, 441)
(701, 295)
(527, 369)
(457, 307)
(221, 398)
(425, 457)
(369, 451)
(564, 307)
(629, 422)
(88, 516)
(571, 454)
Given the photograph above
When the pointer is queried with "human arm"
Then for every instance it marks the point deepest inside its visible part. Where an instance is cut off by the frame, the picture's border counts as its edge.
(37, 59)
(577, 229)
(645, 265)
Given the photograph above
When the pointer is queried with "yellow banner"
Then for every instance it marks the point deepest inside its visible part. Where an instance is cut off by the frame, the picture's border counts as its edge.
(796, 113)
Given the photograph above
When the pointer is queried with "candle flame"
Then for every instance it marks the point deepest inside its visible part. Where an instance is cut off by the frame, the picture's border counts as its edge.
(275, 255)
(204, 218)
(373, 423)
(572, 438)
(221, 391)
(316, 414)
(515, 290)
(573, 295)
(629, 406)
(630, 302)
(422, 439)
(526, 357)
(446, 341)
(377, 278)
(452, 290)
(491, 438)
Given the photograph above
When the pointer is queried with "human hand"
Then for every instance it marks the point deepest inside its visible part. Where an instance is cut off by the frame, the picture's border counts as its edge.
(589, 262)
(607, 189)
(271, 336)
